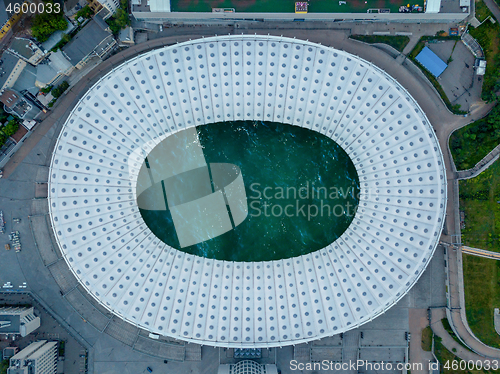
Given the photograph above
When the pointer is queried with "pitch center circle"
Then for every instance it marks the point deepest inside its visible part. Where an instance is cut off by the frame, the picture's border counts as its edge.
(248, 191)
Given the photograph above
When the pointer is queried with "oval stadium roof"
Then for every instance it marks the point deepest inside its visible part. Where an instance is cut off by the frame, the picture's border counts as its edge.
(112, 252)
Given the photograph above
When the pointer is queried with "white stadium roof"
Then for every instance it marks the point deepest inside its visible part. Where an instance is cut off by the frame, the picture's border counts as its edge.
(119, 261)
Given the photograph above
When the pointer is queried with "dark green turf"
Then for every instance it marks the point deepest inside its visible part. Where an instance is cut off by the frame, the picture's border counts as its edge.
(276, 156)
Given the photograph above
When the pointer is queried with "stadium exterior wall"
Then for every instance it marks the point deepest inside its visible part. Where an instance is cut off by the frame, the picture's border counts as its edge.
(197, 17)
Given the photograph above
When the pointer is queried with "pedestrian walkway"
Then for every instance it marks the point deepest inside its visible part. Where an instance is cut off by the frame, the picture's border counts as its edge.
(451, 344)
(418, 321)
(481, 166)
(457, 316)
(481, 252)
(350, 348)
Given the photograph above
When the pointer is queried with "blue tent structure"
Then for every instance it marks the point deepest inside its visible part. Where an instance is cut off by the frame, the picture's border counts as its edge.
(431, 62)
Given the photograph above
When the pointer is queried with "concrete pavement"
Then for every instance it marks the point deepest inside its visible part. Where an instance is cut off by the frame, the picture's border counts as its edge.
(418, 321)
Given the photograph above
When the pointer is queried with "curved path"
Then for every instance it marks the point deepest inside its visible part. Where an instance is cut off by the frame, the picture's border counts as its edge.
(451, 344)
(443, 121)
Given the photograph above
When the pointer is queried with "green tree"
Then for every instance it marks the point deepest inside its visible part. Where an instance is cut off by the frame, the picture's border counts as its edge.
(58, 91)
(46, 89)
(10, 128)
(65, 38)
(121, 19)
(4, 365)
(85, 12)
(45, 24)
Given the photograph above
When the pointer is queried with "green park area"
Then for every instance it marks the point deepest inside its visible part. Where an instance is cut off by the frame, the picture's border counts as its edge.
(447, 358)
(397, 42)
(449, 361)
(479, 199)
(427, 339)
(288, 6)
(472, 143)
(488, 36)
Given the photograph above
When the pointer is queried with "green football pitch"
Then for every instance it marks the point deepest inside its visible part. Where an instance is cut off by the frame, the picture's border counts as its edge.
(288, 6)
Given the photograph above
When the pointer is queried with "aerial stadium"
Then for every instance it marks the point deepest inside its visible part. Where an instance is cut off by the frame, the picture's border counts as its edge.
(119, 154)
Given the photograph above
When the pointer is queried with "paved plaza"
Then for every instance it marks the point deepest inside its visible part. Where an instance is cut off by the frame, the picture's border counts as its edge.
(459, 81)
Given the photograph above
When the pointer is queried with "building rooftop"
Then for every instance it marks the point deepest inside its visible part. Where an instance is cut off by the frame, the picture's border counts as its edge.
(126, 35)
(100, 21)
(86, 41)
(9, 98)
(45, 74)
(56, 64)
(59, 62)
(10, 324)
(23, 47)
(9, 61)
(26, 80)
(431, 62)
(70, 4)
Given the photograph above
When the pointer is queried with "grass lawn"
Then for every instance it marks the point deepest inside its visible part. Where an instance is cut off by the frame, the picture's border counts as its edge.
(398, 42)
(488, 36)
(482, 11)
(4, 365)
(427, 339)
(478, 198)
(288, 6)
(482, 295)
(472, 143)
(444, 356)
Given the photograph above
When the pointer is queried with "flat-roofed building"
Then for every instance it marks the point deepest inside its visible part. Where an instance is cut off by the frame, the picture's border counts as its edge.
(17, 320)
(37, 358)
(56, 67)
(10, 70)
(26, 50)
(110, 5)
(94, 40)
